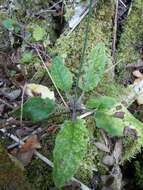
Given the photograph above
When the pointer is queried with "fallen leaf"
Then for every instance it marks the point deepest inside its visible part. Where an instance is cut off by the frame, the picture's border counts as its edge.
(39, 90)
(137, 74)
(102, 147)
(31, 143)
(117, 153)
(108, 160)
(23, 131)
(26, 151)
(140, 99)
(1, 109)
(139, 78)
(13, 95)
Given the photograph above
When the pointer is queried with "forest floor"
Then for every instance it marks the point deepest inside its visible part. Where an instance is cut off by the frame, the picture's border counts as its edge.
(29, 39)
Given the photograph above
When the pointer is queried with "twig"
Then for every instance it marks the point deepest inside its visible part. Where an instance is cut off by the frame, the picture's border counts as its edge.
(7, 104)
(50, 8)
(123, 3)
(47, 70)
(87, 114)
(21, 107)
(43, 158)
(112, 67)
(115, 30)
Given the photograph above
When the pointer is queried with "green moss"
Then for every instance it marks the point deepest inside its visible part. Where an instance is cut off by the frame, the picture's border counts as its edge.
(92, 161)
(11, 177)
(138, 173)
(40, 175)
(130, 42)
(70, 46)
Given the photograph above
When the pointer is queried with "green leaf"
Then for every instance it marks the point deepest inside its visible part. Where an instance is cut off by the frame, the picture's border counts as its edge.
(26, 57)
(17, 29)
(93, 70)
(70, 148)
(8, 24)
(103, 102)
(38, 33)
(113, 126)
(61, 74)
(37, 109)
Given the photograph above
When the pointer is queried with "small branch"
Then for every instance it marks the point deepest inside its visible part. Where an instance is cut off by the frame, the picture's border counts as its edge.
(7, 104)
(123, 3)
(21, 107)
(50, 8)
(87, 114)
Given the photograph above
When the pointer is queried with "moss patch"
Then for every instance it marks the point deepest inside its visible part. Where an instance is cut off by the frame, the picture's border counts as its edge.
(129, 48)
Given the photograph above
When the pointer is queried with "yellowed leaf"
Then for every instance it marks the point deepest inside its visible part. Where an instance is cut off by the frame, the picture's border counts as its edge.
(140, 99)
(39, 90)
(138, 74)
(139, 77)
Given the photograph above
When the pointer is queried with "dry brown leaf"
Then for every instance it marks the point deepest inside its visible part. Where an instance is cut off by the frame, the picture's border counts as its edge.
(108, 160)
(31, 143)
(117, 153)
(102, 147)
(140, 99)
(26, 151)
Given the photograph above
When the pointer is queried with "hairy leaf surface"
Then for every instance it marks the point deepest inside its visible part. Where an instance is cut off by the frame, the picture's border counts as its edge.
(70, 147)
(61, 74)
(114, 126)
(93, 70)
(103, 102)
(37, 109)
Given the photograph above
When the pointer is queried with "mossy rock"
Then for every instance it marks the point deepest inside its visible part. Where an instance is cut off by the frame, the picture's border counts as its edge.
(11, 176)
(131, 40)
(70, 46)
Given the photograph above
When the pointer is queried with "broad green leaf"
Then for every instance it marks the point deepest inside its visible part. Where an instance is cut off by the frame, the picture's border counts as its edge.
(115, 119)
(103, 102)
(26, 57)
(38, 33)
(8, 24)
(37, 109)
(70, 148)
(113, 126)
(61, 74)
(93, 70)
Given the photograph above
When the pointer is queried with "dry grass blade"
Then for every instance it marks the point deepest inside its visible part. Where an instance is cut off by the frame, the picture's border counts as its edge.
(47, 70)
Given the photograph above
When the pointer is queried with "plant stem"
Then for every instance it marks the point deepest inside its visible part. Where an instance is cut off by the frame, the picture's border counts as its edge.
(47, 70)
(74, 114)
